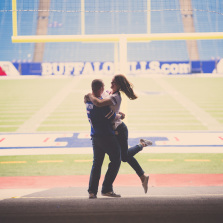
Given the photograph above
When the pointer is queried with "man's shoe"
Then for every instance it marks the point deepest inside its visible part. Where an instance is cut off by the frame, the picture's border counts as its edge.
(92, 196)
(145, 184)
(111, 194)
(145, 142)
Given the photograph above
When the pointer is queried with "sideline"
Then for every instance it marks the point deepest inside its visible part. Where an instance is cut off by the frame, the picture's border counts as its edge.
(77, 193)
(88, 150)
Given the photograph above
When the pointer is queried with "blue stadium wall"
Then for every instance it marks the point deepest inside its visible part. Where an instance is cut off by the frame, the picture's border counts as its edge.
(107, 68)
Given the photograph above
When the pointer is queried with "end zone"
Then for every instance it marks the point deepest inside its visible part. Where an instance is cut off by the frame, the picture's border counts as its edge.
(80, 143)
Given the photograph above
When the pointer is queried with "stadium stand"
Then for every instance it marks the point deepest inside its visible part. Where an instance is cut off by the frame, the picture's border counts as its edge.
(16, 52)
(108, 23)
(208, 22)
(65, 23)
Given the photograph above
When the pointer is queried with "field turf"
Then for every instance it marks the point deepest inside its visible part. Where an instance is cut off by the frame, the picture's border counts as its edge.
(156, 109)
(43, 165)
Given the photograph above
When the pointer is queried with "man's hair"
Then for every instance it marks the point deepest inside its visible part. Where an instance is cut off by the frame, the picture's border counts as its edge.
(96, 84)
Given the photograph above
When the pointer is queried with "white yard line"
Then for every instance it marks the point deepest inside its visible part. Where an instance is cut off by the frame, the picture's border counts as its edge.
(88, 150)
(200, 114)
(32, 124)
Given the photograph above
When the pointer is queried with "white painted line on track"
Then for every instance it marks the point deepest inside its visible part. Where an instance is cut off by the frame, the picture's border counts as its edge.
(127, 196)
(10, 193)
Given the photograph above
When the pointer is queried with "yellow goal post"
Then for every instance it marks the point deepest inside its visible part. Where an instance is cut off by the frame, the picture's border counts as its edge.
(107, 37)
(120, 40)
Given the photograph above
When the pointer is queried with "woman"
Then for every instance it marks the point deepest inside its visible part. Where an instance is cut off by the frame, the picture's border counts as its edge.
(113, 98)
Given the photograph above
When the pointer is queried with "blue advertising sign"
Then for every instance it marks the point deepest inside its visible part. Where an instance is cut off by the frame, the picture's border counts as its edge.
(107, 68)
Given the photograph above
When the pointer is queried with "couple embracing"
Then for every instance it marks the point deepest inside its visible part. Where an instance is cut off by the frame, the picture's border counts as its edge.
(109, 135)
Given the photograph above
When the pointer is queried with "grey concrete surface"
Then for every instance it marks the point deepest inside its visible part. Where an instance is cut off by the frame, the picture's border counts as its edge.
(179, 204)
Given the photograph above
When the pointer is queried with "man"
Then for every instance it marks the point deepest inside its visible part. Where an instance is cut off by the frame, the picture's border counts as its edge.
(103, 141)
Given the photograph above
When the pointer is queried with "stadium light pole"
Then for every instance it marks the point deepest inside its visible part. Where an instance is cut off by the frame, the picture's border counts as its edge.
(148, 16)
(82, 17)
(123, 54)
(116, 57)
(14, 18)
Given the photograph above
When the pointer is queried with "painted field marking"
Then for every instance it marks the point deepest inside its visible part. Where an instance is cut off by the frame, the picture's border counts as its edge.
(82, 161)
(176, 139)
(201, 115)
(45, 140)
(50, 161)
(45, 161)
(76, 140)
(8, 162)
(2, 139)
(86, 161)
(160, 160)
(196, 160)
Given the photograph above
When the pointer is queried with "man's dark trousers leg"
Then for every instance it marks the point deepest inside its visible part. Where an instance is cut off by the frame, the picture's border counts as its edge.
(113, 150)
(102, 145)
(98, 158)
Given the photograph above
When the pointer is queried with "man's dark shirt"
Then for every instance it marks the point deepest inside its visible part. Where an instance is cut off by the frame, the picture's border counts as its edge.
(100, 119)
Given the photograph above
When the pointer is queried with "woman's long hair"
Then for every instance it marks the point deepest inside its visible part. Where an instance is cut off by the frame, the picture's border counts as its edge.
(125, 86)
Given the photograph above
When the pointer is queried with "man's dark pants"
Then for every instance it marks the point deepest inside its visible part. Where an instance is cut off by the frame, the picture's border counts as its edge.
(101, 146)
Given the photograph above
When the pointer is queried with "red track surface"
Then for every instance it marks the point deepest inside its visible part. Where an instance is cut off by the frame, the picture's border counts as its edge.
(156, 180)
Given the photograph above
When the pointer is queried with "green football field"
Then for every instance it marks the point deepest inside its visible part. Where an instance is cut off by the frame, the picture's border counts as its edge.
(165, 103)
